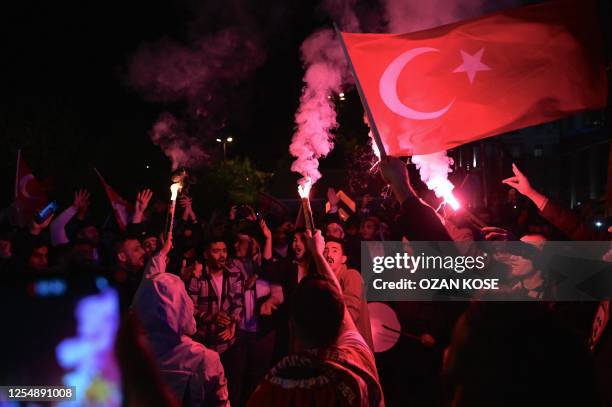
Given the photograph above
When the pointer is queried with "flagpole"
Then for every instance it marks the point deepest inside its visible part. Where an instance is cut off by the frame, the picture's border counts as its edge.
(100, 176)
(17, 173)
(364, 101)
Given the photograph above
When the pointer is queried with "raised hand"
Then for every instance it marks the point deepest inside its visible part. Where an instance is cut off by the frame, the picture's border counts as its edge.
(493, 233)
(228, 333)
(267, 308)
(36, 228)
(185, 202)
(395, 173)
(252, 216)
(265, 230)
(519, 181)
(315, 243)
(332, 197)
(81, 200)
(223, 319)
(142, 200)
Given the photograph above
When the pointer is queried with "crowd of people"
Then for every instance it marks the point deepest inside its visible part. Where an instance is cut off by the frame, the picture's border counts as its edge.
(246, 309)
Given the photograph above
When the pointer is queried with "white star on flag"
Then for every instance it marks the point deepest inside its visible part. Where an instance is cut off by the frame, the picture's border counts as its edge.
(471, 64)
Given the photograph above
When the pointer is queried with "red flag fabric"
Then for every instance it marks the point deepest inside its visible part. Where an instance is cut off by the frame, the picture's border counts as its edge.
(121, 208)
(436, 89)
(29, 194)
(269, 204)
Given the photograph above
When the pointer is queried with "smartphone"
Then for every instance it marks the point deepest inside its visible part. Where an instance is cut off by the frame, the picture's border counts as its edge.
(61, 331)
(45, 212)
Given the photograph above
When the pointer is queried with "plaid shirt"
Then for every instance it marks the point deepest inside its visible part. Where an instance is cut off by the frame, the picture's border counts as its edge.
(206, 301)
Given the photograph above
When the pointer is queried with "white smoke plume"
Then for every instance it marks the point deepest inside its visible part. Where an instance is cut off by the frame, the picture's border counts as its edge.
(182, 149)
(434, 169)
(195, 74)
(326, 74)
(316, 115)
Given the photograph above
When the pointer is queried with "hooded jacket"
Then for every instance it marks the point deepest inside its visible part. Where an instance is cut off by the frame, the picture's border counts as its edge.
(193, 372)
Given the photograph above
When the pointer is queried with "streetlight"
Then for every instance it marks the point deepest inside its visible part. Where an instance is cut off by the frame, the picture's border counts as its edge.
(224, 142)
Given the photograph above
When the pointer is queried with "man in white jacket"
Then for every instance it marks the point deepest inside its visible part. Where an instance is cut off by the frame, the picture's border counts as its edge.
(193, 372)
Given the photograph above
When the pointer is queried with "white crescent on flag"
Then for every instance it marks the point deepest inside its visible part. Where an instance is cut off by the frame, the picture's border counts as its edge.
(388, 87)
(23, 186)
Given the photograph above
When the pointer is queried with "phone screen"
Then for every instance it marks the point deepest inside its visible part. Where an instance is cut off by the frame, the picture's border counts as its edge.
(60, 331)
(46, 212)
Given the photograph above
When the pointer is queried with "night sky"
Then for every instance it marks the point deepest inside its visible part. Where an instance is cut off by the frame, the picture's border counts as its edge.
(66, 101)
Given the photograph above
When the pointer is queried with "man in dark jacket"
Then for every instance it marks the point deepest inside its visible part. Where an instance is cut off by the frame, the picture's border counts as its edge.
(600, 340)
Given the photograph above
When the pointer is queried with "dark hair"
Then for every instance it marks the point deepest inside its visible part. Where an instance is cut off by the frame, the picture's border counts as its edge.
(300, 229)
(374, 219)
(214, 239)
(318, 311)
(329, 239)
(121, 239)
(36, 243)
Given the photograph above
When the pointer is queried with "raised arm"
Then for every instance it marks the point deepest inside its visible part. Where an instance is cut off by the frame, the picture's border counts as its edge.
(267, 247)
(186, 203)
(562, 218)
(157, 263)
(58, 226)
(417, 221)
(316, 245)
(521, 183)
(142, 202)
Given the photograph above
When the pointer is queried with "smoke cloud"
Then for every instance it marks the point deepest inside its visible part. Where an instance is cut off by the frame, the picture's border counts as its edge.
(183, 150)
(316, 115)
(196, 76)
(326, 73)
(434, 169)
(409, 16)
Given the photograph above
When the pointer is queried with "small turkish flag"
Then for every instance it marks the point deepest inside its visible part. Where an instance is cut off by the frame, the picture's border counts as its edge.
(29, 194)
(122, 209)
(436, 89)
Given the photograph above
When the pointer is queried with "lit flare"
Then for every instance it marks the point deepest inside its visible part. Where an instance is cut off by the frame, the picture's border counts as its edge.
(174, 190)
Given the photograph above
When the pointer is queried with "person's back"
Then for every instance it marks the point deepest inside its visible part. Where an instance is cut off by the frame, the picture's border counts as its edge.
(334, 365)
(193, 372)
(343, 375)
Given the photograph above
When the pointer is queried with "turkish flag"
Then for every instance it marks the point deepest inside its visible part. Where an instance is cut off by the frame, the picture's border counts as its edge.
(122, 209)
(436, 89)
(29, 193)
